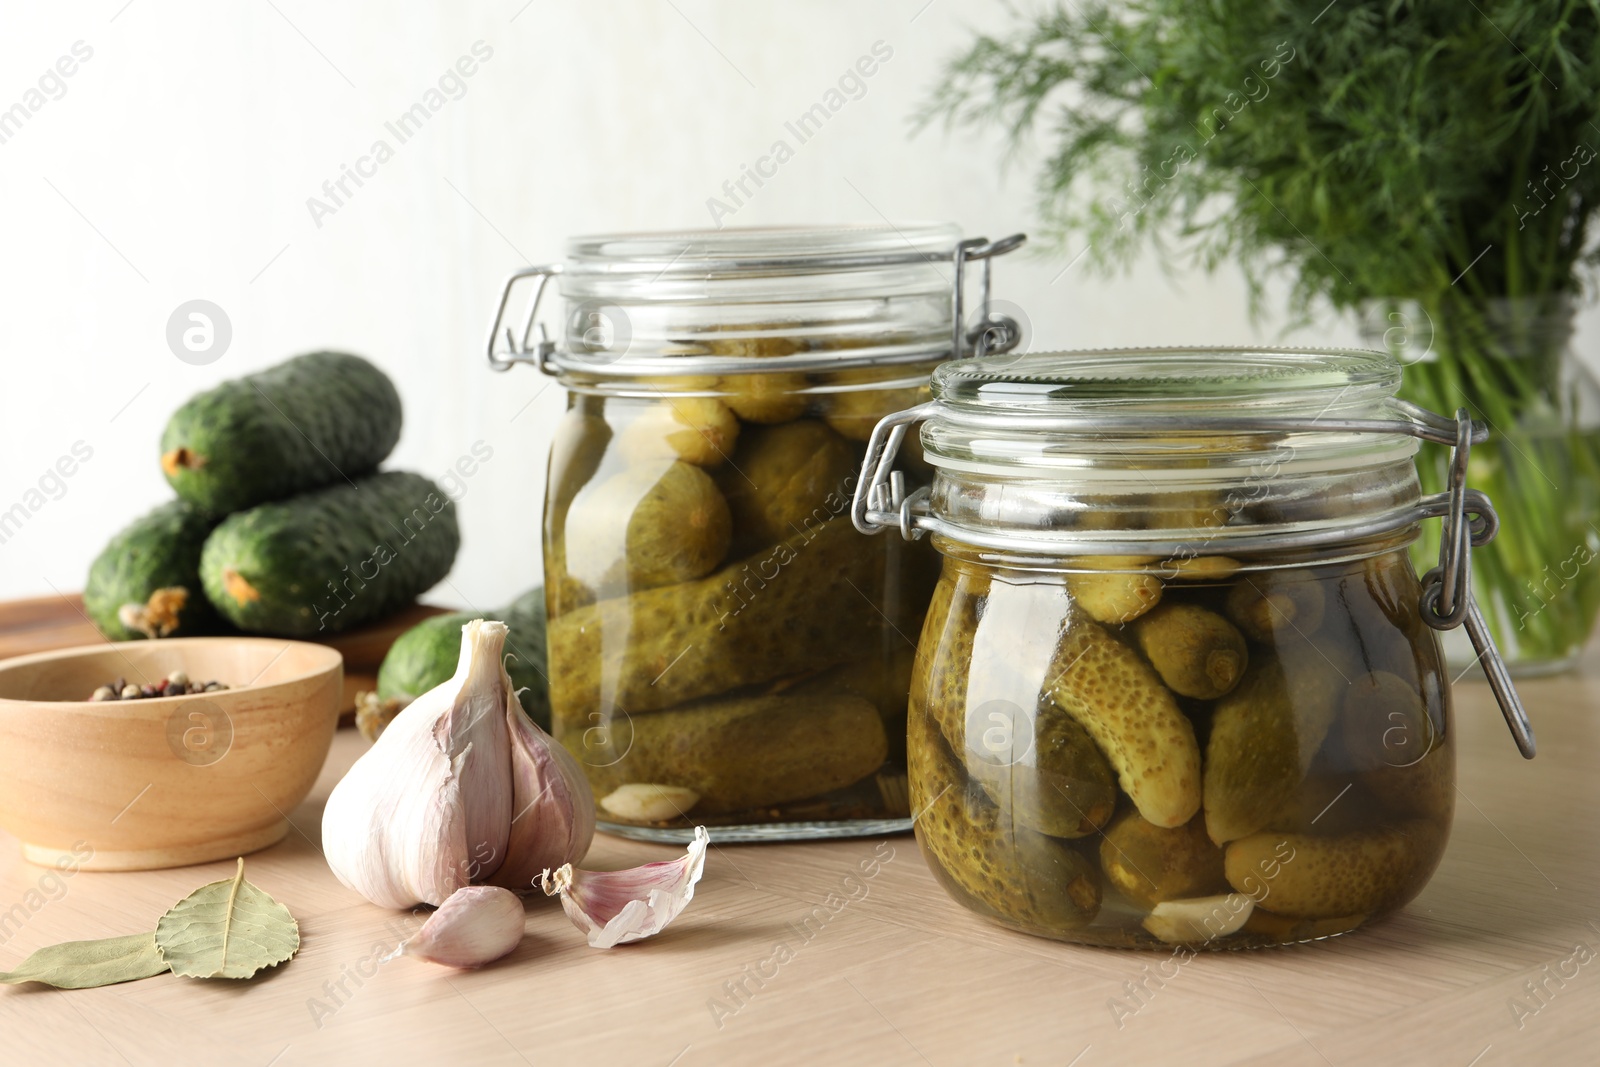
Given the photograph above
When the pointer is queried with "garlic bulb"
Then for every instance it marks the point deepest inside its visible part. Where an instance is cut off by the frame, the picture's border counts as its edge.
(615, 907)
(460, 786)
(474, 926)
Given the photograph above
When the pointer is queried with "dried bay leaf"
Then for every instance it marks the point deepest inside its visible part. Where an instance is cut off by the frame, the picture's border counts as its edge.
(87, 964)
(228, 929)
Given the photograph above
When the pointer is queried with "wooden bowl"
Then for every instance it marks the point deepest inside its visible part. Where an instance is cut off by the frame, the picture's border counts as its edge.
(130, 785)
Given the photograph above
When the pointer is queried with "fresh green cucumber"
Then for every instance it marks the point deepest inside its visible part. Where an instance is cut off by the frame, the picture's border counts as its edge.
(426, 655)
(311, 421)
(422, 657)
(146, 582)
(328, 560)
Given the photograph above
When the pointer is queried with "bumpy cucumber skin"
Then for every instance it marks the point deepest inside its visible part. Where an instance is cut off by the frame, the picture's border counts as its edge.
(311, 421)
(158, 550)
(426, 655)
(325, 561)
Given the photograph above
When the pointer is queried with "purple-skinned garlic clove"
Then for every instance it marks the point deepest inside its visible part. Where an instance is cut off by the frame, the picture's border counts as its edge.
(552, 820)
(474, 926)
(615, 907)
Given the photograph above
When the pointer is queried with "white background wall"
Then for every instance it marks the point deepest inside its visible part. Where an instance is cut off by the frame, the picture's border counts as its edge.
(178, 163)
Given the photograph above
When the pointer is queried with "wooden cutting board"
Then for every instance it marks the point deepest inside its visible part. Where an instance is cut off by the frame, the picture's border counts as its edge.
(50, 622)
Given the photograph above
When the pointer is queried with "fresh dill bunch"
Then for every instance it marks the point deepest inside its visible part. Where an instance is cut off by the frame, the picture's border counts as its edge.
(1367, 149)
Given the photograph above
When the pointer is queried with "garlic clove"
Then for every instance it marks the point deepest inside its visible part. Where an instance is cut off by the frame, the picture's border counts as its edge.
(552, 820)
(615, 907)
(1199, 918)
(648, 802)
(474, 926)
(427, 809)
(475, 736)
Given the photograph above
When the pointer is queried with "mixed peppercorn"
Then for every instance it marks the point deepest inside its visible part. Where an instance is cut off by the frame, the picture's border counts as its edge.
(176, 684)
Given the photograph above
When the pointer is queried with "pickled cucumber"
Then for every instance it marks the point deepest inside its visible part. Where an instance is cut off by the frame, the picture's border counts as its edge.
(884, 679)
(793, 608)
(939, 671)
(1275, 605)
(1011, 871)
(696, 429)
(1200, 568)
(1046, 774)
(1330, 877)
(1380, 596)
(784, 479)
(1118, 698)
(1035, 761)
(1325, 803)
(943, 667)
(736, 753)
(854, 412)
(1150, 864)
(1285, 930)
(1391, 585)
(1112, 596)
(1385, 723)
(577, 450)
(1197, 652)
(1191, 510)
(766, 398)
(654, 525)
(751, 346)
(1263, 737)
(1425, 788)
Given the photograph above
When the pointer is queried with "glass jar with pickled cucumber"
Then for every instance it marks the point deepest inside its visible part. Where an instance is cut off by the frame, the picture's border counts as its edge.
(725, 648)
(1179, 684)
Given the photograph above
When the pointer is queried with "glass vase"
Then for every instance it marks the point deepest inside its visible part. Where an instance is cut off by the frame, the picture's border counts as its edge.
(1510, 363)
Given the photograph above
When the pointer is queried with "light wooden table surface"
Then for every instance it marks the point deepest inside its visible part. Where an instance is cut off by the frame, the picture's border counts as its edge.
(894, 972)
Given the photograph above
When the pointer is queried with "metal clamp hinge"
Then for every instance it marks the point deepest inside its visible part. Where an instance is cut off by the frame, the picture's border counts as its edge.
(880, 500)
(1447, 601)
(521, 347)
(995, 333)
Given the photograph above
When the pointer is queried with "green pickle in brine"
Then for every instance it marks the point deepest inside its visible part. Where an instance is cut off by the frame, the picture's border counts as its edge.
(1315, 795)
(1036, 763)
(648, 525)
(1005, 869)
(781, 477)
(804, 744)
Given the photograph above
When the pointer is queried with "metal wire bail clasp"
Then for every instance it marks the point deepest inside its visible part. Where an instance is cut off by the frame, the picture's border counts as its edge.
(880, 502)
(997, 333)
(518, 349)
(1447, 599)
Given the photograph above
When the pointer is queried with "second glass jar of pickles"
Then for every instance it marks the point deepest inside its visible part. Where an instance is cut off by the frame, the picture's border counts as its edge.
(1179, 684)
(725, 647)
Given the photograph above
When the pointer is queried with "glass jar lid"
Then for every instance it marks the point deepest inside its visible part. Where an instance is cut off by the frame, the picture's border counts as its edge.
(1306, 381)
(1185, 414)
(1161, 452)
(790, 299)
(598, 265)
